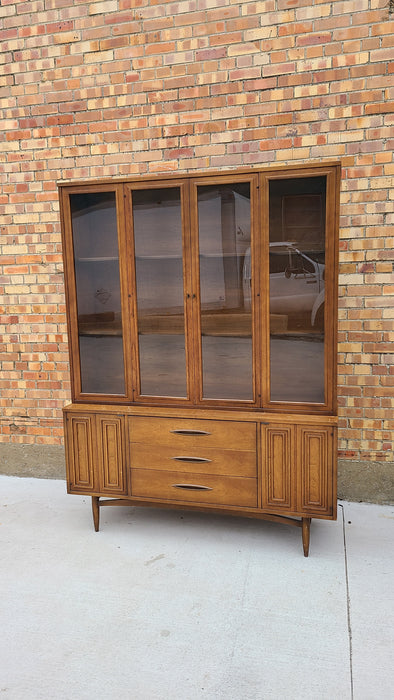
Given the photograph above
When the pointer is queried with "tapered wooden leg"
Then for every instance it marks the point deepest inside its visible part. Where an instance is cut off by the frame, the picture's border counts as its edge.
(306, 530)
(96, 512)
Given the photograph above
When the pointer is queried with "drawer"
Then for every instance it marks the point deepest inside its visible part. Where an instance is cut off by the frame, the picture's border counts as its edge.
(194, 488)
(201, 459)
(184, 432)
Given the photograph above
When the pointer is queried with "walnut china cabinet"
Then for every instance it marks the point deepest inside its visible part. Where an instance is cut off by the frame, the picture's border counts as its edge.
(202, 329)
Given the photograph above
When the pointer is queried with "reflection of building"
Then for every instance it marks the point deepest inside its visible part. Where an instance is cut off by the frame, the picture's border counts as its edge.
(297, 214)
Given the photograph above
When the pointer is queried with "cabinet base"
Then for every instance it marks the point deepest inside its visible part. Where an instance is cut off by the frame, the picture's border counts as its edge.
(304, 523)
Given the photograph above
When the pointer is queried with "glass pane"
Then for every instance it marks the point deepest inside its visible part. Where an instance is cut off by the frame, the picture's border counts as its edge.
(225, 289)
(296, 285)
(160, 298)
(96, 256)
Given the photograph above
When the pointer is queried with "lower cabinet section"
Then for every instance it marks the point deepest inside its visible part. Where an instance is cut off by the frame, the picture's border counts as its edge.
(273, 467)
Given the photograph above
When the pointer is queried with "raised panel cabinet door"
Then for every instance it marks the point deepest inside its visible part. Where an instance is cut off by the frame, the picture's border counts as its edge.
(316, 469)
(111, 450)
(79, 450)
(278, 467)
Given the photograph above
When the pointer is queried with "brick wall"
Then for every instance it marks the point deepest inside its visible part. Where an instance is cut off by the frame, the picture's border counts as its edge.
(115, 87)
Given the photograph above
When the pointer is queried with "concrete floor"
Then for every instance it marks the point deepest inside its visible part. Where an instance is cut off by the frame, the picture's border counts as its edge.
(164, 605)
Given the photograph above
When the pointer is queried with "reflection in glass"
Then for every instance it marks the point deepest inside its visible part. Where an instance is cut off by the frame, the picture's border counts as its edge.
(157, 226)
(96, 257)
(225, 290)
(296, 286)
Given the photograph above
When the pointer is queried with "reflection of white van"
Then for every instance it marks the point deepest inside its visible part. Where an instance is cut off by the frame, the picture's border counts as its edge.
(296, 281)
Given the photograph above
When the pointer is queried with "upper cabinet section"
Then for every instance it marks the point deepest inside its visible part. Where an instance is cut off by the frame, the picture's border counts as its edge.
(216, 290)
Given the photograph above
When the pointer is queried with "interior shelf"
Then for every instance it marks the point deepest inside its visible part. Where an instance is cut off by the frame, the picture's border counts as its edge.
(100, 333)
(158, 257)
(98, 259)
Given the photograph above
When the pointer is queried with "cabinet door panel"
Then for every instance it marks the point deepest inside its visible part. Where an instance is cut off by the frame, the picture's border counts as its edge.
(79, 446)
(278, 466)
(111, 454)
(316, 469)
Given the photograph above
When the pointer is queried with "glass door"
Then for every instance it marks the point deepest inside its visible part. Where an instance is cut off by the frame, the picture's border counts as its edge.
(297, 250)
(160, 236)
(97, 283)
(224, 221)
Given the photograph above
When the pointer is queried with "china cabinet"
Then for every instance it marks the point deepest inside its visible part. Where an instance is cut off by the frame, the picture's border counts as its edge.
(202, 330)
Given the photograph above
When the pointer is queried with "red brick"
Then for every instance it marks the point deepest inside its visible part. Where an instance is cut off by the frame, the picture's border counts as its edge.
(382, 108)
(310, 38)
(208, 54)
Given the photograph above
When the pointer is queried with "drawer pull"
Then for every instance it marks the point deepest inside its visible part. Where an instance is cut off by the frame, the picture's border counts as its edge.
(184, 458)
(183, 431)
(191, 487)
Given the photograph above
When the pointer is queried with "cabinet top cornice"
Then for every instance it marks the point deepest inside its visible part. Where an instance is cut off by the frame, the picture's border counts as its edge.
(165, 176)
